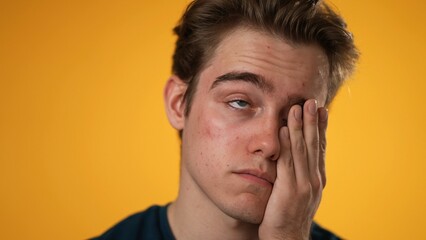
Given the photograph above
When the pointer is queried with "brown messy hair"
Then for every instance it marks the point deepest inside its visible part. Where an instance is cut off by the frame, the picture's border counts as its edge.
(205, 23)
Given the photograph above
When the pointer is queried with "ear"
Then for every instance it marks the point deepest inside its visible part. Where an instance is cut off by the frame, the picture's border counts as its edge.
(173, 98)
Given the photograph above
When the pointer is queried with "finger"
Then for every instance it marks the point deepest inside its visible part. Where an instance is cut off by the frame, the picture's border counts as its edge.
(311, 135)
(322, 128)
(285, 164)
(298, 147)
(285, 184)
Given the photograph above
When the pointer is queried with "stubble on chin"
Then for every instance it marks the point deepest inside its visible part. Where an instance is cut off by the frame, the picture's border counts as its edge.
(249, 209)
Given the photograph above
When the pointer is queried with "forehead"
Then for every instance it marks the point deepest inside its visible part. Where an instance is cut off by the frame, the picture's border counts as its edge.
(245, 50)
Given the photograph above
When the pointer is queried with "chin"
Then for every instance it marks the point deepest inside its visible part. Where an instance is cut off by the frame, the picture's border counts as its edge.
(248, 216)
(248, 209)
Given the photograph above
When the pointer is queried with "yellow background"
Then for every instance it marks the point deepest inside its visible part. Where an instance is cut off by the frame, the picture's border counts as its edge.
(84, 140)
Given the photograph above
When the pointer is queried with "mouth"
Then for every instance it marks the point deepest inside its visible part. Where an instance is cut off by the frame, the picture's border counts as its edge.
(256, 176)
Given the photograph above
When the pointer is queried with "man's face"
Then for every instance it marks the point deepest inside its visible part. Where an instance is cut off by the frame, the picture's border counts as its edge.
(230, 139)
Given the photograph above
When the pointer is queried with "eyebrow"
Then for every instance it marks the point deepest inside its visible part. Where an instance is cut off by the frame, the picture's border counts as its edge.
(255, 79)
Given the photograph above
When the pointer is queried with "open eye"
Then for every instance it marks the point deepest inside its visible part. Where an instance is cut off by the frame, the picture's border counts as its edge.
(238, 104)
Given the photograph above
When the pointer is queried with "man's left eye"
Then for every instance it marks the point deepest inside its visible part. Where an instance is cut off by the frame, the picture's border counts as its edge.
(239, 104)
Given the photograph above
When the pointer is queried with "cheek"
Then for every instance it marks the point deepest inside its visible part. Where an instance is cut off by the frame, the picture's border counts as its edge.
(219, 141)
(213, 131)
(211, 127)
(215, 138)
(224, 137)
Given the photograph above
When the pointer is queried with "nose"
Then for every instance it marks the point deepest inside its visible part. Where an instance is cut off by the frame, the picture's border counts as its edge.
(264, 139)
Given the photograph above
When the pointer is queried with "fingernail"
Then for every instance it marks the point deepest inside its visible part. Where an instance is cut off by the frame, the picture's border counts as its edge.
(298, 113)
(313, 107)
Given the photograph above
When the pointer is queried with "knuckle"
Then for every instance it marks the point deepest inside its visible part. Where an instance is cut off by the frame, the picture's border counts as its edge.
(313, 142)
(305, 191)
(289, 162)
(324, 181)
(299, 146)
(323, 145)
(316, 185)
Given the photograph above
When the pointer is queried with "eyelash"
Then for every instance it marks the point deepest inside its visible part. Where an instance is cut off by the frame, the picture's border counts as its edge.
(230, 104)
(235, 101)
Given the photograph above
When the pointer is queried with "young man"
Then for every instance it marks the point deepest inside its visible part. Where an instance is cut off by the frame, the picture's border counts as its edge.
(250, 86)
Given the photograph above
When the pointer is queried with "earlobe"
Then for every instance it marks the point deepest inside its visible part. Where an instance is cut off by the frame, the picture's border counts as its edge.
(174, 92)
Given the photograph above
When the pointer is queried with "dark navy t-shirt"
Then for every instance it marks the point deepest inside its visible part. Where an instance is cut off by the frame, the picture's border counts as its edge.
(152, 224)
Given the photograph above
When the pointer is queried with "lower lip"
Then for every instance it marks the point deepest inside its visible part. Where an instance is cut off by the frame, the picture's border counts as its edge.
(255, 179)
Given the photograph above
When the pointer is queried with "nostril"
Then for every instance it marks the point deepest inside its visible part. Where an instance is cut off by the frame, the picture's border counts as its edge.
(259, 151)
(273, 157)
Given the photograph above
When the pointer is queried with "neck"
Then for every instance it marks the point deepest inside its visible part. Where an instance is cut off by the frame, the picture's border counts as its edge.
(194, 216)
